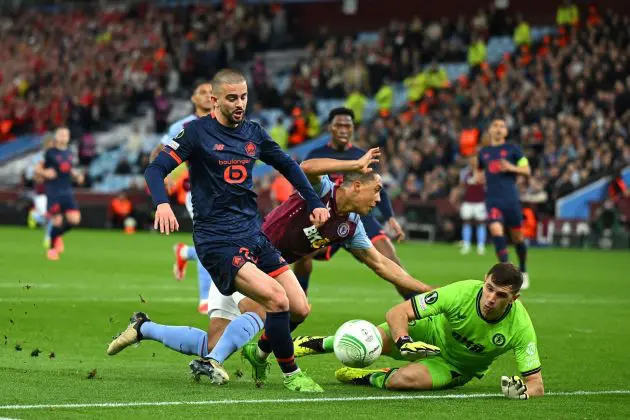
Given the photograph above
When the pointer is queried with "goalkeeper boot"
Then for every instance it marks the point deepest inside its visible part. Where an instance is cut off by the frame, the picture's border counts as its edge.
(210, 368)
(305, 345)
(260, 367)
(356, 376)
(130, 336)
(301, 383)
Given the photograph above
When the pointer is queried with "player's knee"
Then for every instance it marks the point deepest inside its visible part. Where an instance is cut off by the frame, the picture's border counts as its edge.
(405, 379)
(277, 300)
(300, 312)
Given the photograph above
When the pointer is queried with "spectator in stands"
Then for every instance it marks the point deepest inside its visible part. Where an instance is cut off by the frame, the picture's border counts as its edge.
(617, 188)
(477, 54)
(280, 134)
(567, 14)
(356, 101)
(522, 35)
(120, 213)
(161, 108)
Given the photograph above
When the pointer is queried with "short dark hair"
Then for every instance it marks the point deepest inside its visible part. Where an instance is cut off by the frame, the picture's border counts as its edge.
(226, 76)
(340, 111)
(506, 274)
(350, 177)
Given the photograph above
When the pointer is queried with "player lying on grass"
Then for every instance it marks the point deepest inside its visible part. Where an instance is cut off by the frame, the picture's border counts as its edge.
(290, 230)
(471, 322)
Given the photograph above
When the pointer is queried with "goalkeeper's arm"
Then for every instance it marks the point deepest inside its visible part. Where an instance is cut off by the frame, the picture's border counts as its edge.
(398, 320)
(535, 387)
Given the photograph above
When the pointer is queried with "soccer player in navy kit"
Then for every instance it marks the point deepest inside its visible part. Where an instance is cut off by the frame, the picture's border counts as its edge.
(341, 127)
(221, 154)
(57, 171)
(502, 162)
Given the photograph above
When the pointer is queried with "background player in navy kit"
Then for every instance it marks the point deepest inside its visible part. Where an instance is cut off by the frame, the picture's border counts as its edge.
(57, 171)
(221, 154)
(341, 127)
(501, 163)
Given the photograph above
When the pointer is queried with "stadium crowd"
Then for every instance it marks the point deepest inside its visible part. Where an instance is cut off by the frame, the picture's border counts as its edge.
(90, 67)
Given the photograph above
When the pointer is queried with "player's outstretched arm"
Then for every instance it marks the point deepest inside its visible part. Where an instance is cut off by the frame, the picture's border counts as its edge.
(388, 270)
(535, 386)
(398, 319)
(155, 174)
(314, 168)
(514, 388)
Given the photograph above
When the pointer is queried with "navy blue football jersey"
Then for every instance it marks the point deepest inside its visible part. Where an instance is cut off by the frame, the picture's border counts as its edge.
(351, 153)
(220, 161)
(61, 162)
(500, 186)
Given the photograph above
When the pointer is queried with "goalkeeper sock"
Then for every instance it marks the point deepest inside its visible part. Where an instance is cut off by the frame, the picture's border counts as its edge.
(521, 251)
(500, 246)
(379, 379)
(185, 340)
(236, 335)
(204, 281)
(329, 344)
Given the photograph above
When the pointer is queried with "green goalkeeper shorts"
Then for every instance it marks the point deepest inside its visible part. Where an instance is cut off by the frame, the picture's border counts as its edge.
(443, 374)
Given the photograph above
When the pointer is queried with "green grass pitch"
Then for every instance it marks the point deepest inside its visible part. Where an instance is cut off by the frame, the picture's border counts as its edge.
(579, 303)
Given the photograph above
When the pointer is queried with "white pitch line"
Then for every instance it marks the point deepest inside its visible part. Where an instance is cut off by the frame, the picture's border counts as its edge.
(299, 400)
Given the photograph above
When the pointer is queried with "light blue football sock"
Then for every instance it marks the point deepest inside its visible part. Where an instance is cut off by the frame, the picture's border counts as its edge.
(467, 233)
(204, 281)
(186, 340)
(238, 333)
(191, 253)
(481, 235)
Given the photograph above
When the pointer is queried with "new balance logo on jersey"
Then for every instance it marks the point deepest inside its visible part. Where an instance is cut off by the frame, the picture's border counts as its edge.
(315, 238)
(218, 147)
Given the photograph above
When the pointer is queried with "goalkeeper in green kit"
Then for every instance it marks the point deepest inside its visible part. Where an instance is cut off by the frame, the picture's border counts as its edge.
(465, 326)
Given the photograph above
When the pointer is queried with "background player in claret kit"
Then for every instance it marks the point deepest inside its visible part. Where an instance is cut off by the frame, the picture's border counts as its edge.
(341, 127)
(501, 162)
(57, 171)
(202, 100)
(221, 154)
(289, 229)
(473, 209)
(471, 322)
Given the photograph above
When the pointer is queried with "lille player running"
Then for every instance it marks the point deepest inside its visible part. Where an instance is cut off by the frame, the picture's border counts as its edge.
(341, 127)
(202, 101)
(289, 229)
(502, 162)
(57, 171)
(221, 154)
(471, 322)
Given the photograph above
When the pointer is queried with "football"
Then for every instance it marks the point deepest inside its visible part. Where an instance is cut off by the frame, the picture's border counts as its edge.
(357, 343)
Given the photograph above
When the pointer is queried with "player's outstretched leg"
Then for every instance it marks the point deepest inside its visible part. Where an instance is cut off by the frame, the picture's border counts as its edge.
(182, 339)
(236, 335)
(414, 376)
(273, 295)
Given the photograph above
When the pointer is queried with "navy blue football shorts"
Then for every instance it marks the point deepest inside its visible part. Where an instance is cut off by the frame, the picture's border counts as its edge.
(223, 259)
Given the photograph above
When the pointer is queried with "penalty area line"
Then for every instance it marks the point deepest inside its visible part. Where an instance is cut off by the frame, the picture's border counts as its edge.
(299, 400)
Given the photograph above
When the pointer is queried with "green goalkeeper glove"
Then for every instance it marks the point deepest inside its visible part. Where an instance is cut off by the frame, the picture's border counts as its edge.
(414, 350)
(514, 388)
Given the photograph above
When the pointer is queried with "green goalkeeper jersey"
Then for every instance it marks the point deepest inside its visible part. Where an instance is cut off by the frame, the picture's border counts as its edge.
(467, 340)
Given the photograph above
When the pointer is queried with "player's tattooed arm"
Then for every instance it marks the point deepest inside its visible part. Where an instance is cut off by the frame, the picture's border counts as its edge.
(388, 270)
(314, 168)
